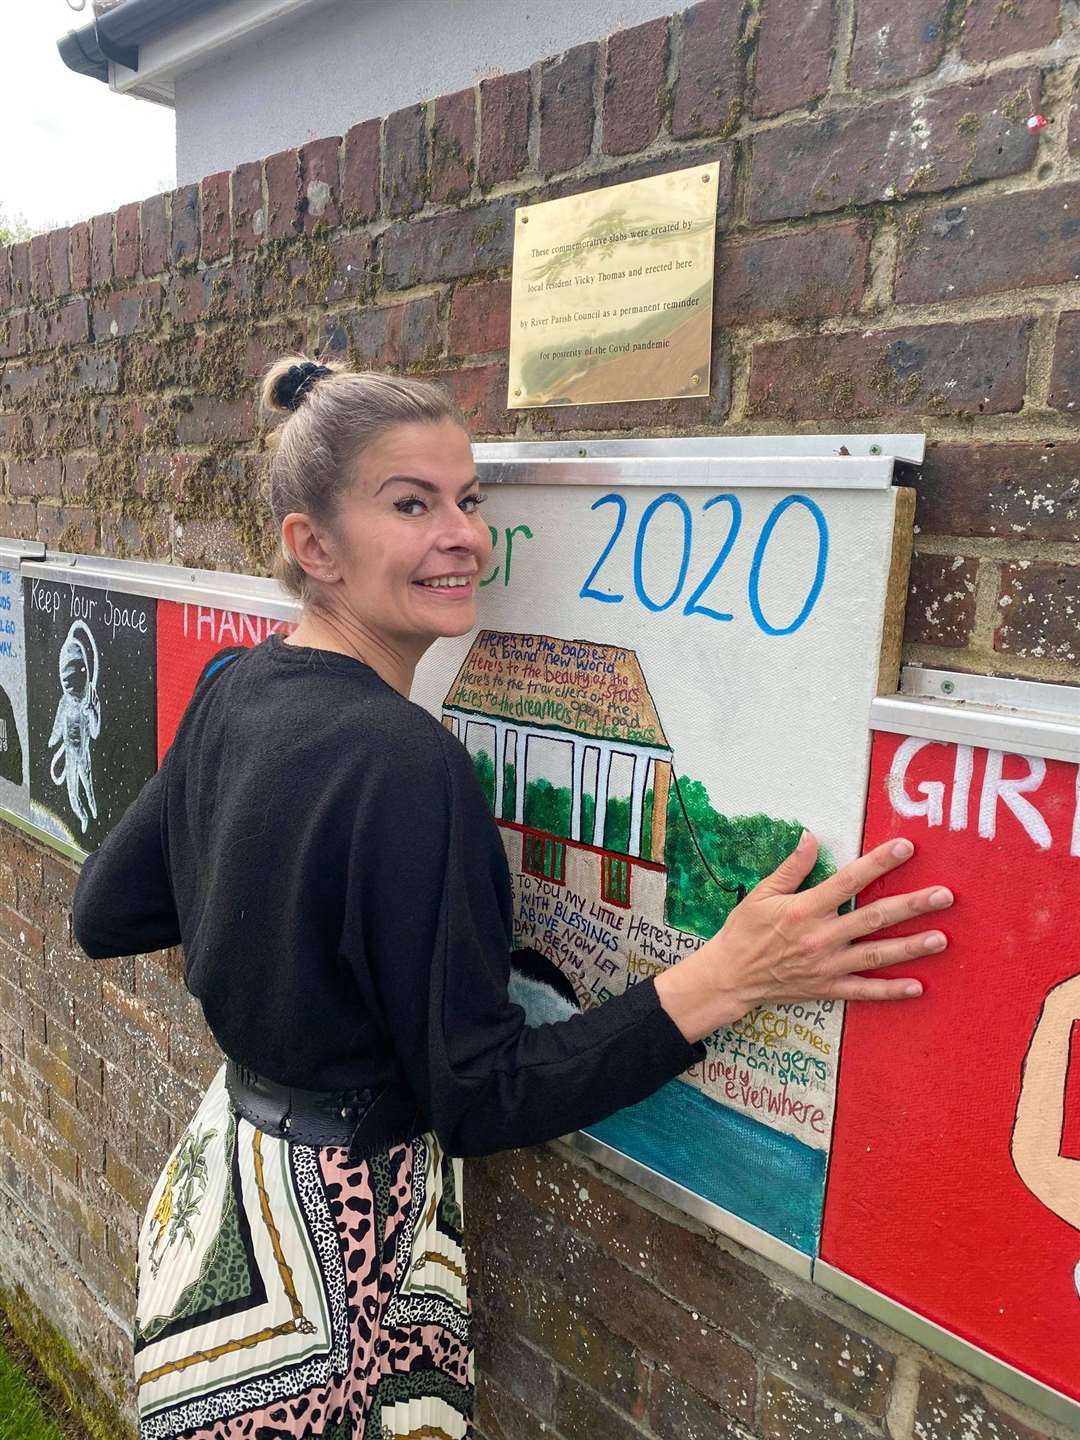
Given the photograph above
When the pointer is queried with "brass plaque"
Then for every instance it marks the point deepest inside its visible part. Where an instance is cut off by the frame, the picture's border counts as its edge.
(612, 293)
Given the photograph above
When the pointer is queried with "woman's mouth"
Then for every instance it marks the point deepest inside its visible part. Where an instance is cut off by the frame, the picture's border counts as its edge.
(454, 583)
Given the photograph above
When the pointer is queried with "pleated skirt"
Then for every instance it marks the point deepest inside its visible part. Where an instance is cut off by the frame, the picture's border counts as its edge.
(284, 1292)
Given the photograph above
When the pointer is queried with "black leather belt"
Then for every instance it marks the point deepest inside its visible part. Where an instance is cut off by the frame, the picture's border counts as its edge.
(365, 1121)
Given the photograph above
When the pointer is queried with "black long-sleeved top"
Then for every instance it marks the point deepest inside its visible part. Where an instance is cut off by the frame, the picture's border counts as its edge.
(323, 851)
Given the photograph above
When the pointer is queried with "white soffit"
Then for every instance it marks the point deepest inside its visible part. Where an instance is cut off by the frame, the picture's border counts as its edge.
(188, 46)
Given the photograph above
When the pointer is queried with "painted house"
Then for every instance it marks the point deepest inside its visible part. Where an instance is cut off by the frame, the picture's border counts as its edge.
(579, 766)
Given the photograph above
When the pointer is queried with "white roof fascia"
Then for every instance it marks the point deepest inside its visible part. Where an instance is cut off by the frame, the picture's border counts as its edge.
(188, 46)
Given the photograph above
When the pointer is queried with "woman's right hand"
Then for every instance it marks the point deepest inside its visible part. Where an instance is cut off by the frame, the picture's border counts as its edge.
(778, 945)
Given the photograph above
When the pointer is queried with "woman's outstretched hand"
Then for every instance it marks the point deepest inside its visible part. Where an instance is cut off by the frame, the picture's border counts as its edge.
(779, 945)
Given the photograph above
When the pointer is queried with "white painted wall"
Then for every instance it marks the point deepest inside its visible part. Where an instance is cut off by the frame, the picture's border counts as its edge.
(349, 60)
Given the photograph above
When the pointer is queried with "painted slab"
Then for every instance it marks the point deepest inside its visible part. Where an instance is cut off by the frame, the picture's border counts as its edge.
(667, 687)
(954, 1180)
(90, 675)
(188, 638)
(14, 768)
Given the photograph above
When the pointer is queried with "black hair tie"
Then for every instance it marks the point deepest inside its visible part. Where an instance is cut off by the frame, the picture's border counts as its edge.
(298, 379)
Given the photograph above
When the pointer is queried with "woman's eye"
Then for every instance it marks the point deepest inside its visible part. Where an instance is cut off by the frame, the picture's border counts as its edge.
(406, 506)
(473, 502)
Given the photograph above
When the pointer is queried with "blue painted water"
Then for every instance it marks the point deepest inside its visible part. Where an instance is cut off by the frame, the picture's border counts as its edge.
(771, 1180)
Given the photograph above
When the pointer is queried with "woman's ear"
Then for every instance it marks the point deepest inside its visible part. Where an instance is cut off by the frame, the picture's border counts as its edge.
(306, 543)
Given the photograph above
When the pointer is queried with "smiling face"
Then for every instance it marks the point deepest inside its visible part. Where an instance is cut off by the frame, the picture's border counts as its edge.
(410, 544)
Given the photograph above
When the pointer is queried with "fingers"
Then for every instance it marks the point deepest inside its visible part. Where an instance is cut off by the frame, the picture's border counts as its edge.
(791, 872)
(858, 987)
(852, 878)
(876, 955)
(891, 910)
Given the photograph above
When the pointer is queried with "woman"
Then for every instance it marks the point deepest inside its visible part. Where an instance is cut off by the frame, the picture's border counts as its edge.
(322, 849)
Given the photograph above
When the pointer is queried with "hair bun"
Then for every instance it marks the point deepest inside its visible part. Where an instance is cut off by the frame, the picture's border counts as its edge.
(296, 382)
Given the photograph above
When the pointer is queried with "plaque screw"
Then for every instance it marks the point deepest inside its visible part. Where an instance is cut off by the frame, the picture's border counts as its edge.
(947, 687)
(524, 219)
(875, 449)
(517, 392)
(695, 379)
(705, 179)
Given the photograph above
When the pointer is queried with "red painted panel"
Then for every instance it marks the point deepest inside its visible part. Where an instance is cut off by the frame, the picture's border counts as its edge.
(925, 1202)
(188, 637)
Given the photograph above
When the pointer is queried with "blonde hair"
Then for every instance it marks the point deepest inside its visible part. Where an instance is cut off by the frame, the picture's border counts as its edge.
(333, 415)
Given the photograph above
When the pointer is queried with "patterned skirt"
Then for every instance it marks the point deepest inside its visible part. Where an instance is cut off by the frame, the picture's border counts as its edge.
(284, 1292)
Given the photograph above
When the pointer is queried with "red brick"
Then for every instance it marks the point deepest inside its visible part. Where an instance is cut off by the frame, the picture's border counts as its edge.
(581, 1411)
(481, 395)
(215, 237)
(40, 279)
(1001, 491)
(403, 161)
(678, 1412)
(35, 477)
(126, 256)
(843, 1364)
(504, 127)
(515, 1367)
(5, 279)
(154, 235)
(895, 40)
(1039, 603)
(184, 210)
(794, 277)
(211, 419)
(20, 273)
(1074, 116)
(447, 247)
(794, 51)
(101, 249)
(500, 1415)
(567, 109)
(989, 245)
(992, 28)
(80, 256)
(634, 88)
(947, 1410)
(941, 600)
(787, 1411)
(958, 369)
(1065, 379)
(67, 527)
(248, 213)
(953, 136)
(283, 211)
(18, 521)
(395, 335)
(68, 325)
(453, 142)
(319, 183)
(360, 173)
(707, 94)
(127, 312)
(480, 318)
(16, 337)
(51, 1068)
(59, 264)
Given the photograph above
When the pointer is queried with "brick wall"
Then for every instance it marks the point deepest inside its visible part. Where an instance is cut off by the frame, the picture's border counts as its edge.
(897, 250)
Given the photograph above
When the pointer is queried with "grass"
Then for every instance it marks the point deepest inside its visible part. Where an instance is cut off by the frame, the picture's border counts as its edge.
(25, 1402)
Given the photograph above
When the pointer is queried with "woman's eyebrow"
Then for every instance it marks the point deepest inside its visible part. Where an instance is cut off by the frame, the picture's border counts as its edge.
(424, 484)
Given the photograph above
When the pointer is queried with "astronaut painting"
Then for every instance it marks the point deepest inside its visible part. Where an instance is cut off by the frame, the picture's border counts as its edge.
(91, 670)
(77, 722)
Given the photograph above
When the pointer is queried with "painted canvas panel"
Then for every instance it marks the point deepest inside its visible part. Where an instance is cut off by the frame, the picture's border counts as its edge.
(188, 638)
(954, 1182)
(667, 687)
(14, 783)
(90, 675)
